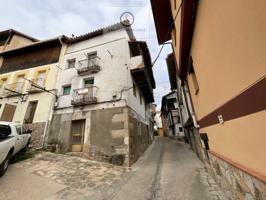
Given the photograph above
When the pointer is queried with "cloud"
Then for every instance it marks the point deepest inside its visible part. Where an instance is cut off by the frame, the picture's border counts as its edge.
(44, 19)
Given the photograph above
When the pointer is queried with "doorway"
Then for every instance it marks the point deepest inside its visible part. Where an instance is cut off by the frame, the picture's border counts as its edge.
(77, 135)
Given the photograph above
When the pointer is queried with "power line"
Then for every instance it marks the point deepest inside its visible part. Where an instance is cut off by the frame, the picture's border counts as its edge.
(169, 31)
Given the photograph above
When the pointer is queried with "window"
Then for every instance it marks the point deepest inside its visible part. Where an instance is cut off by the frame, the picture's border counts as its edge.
(88, 82)
(140, 98)
(193, 76)
(180, 129)
(20, 83)
(41, 78)
(92, 58)
(92, 55)
(134, 89)
(175, 4)
(71, 63)
(66, 89)
(29, 116)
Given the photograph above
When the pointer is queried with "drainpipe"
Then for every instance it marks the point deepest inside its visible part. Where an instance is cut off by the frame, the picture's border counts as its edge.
(56, 97)
(191, 108)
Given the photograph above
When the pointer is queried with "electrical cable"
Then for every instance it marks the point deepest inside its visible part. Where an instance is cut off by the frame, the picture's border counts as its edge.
(169, 31)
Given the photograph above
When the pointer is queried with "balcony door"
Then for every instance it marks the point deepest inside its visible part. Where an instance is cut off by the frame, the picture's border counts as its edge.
(20, 83)
(77, 135)
(41, 78)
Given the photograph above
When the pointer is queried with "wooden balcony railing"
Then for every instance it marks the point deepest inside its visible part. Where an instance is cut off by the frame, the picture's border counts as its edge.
(89, 66)
(84, 96)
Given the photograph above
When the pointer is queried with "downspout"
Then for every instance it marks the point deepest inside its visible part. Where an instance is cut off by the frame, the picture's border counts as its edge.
(190, 105)
(54, 99)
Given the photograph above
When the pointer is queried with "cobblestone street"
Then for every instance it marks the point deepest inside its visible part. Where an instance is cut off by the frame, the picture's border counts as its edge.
(168, 170)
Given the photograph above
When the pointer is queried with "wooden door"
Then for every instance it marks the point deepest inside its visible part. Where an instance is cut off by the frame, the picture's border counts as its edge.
(77, 135)
(8, 113)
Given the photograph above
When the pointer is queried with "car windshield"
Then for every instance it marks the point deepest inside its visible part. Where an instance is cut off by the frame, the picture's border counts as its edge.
(5, 130)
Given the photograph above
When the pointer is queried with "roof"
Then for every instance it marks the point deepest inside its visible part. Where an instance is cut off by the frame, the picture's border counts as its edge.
(164, 101)
(163, 19)
(68, 40)
(12, 32)
(35, 45)
(101, 31)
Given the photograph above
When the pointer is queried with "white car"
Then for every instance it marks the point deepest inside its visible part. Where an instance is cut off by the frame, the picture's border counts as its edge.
(13, 138)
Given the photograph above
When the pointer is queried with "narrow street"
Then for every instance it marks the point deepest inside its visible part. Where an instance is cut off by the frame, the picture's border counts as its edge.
(169, 171)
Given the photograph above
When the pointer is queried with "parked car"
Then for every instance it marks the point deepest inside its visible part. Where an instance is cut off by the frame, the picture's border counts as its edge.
(13, 138)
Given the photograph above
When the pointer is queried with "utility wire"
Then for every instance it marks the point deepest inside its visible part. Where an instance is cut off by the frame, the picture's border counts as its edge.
(169, 31)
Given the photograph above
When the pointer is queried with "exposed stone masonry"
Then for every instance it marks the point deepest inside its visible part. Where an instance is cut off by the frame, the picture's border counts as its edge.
(237, 184)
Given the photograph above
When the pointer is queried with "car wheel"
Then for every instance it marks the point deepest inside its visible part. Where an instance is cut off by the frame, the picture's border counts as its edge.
(5, 164)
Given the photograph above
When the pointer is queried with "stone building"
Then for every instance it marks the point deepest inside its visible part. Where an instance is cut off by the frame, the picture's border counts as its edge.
(104, 89)
(220, 60)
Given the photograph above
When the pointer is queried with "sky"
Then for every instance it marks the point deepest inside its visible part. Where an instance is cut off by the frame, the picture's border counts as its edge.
(44, 19)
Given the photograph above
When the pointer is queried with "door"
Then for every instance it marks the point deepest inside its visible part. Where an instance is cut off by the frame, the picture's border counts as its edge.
(77, 135)
(8, 113)
(29, 116)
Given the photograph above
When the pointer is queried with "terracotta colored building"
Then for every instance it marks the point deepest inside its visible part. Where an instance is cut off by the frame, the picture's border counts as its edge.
(219, 50)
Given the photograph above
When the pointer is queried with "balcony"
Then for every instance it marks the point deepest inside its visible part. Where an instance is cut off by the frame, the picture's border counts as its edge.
(84, 96)
(14, 89)
(89, 66)
(37, 85)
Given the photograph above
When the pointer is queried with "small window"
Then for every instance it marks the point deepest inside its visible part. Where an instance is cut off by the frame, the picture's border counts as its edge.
(175, 4)
(89, 82)
(66, 89)
(134, 89)
(71, 63)
(92, 55)
(180, 129)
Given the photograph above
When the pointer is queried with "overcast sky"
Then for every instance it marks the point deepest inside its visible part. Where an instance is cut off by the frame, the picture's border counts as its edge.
(45, 19)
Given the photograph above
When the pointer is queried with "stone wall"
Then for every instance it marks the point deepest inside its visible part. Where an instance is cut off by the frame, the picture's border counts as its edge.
(236, 184)
(108, 139)
(115, 135)
(37, 135)
(139, 137)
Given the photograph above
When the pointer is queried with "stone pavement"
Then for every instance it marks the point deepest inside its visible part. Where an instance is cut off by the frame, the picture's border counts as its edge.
(168, 170)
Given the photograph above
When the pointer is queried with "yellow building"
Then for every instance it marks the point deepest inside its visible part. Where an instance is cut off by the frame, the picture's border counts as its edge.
(28, 78)
(219, 49)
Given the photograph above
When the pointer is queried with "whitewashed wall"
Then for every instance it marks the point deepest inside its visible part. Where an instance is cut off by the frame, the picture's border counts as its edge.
(111, 79)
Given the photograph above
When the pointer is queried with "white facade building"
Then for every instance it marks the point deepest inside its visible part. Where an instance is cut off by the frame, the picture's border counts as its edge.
(104, 91)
